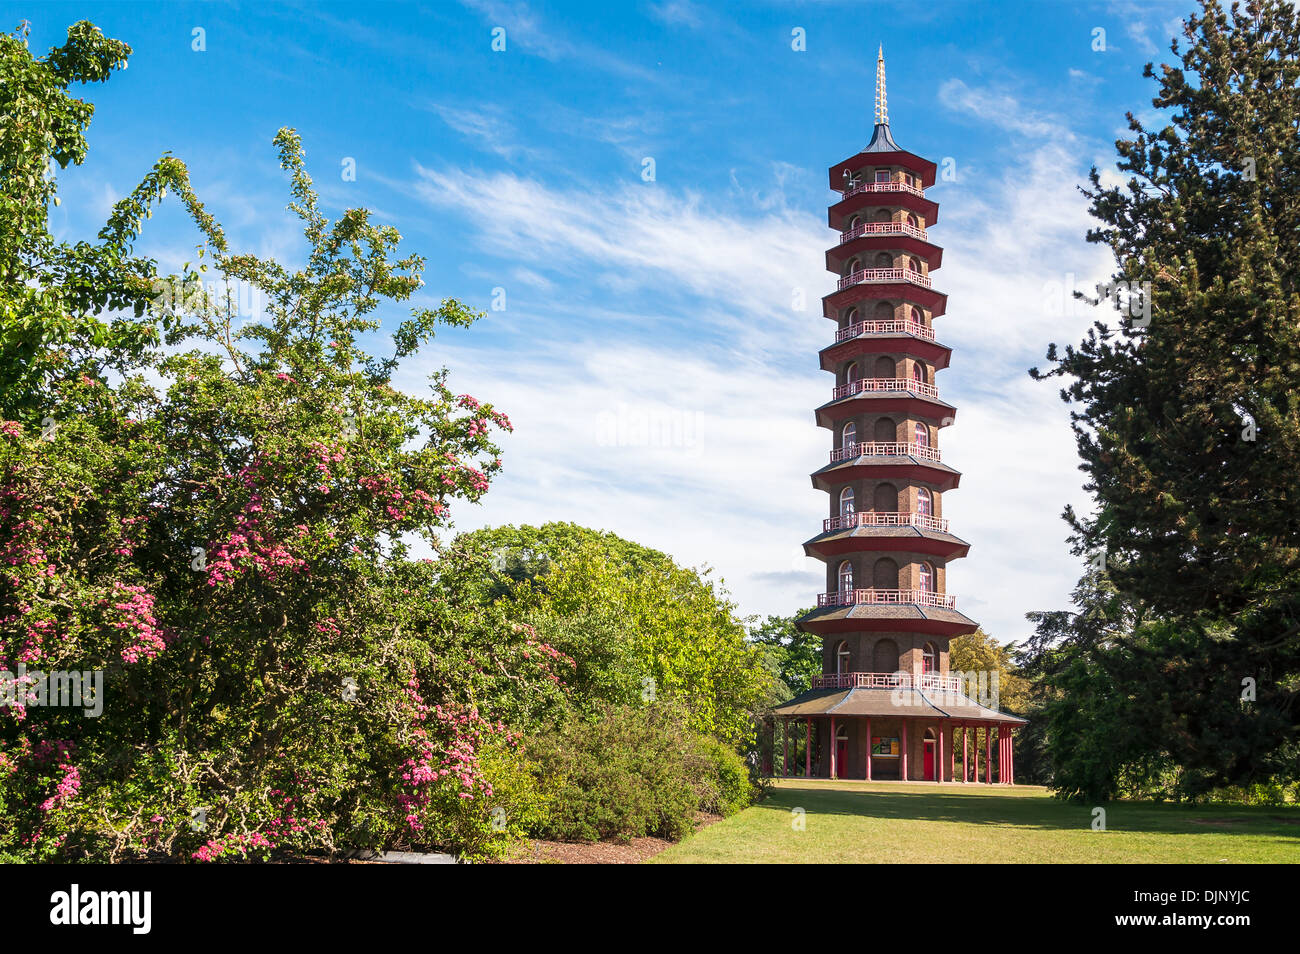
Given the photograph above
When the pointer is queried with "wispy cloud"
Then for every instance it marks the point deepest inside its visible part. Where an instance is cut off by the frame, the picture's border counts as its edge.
(998, 108)
(487, 126)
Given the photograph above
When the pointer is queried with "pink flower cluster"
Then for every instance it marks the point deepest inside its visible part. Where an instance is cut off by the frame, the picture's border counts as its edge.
(233, 843)
(249, 548)
(134, 607)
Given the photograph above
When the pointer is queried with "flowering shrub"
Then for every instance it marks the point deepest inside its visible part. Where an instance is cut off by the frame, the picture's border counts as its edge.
(224, 539)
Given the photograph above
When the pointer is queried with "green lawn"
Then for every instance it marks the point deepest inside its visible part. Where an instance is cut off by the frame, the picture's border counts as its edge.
(866, 822)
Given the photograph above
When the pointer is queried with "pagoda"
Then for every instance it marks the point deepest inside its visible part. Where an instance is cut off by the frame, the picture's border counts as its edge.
(887, 706)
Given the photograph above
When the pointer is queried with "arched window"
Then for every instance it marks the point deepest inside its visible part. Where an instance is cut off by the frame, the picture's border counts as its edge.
(851, 316)
(913, 265)
(884, 311)
(929, 659)
(918, 372)
(852, 373)
(842, 658)
(922, 434)
(854, 221)
(845, 576)
(850, 437)
(854, 264)
(882, 175)
(925, 578)
(846, 502)
(911, 220)
(917, 316)
(924, 502)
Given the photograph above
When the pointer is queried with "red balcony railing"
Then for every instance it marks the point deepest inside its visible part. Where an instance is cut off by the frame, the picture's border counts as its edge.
(883, 228)
(885, 518)
(865, 385)
(875, 596)
(883, 187)
(930, 681)
(884, 275)
(885, 449)
(889, 327)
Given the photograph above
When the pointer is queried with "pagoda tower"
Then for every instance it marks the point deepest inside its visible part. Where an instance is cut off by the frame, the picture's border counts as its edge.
(887, 706)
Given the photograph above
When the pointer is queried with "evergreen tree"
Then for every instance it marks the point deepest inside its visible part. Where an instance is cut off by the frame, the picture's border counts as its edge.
(1188, 423)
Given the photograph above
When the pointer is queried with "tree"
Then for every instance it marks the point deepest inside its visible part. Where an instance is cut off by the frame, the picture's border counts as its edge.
(793, 656)
(1189, 427)
(53, 294)
(637, 625)
(220, 540)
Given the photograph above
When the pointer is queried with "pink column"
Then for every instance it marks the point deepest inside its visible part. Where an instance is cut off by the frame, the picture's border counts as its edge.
(938, 754)
(965, 757)
(952, 754)
(835, 745)
(1011, 756)
(902, 773)
(988, 754)
(868, 748)
(807, 750)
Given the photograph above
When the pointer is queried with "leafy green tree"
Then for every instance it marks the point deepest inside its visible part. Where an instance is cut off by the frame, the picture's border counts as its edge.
(638, 626)
(791, 655)
(53, 295)
(1189, 421)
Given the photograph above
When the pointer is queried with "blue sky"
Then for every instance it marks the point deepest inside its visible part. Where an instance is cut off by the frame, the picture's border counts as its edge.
(660, 379)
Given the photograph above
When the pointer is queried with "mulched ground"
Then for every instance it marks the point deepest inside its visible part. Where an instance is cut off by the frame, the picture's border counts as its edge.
(598, 852)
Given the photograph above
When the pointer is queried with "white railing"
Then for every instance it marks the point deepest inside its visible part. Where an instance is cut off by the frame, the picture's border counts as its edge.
(889, 680)
(863, 385)
(875, 596)
(884, 228)
(885, 449)
(884, 275)
(888, 327)
(885, 518)
(883, 187)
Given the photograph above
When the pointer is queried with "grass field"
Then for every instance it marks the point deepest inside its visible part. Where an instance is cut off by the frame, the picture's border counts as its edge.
(866, 822)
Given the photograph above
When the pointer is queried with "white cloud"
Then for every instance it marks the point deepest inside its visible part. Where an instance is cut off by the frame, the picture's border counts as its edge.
(999, 109)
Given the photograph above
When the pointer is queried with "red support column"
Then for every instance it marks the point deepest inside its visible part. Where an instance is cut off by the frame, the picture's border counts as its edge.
(952, 754)
(1010, 755)
(807, 750)
(902, 768)
(868, 748)
(835, 744)
(965, 757)
(938, 754)
(988, 754)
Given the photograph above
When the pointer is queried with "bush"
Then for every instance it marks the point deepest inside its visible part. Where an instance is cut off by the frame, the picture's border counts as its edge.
(636, 771)
(725, 783)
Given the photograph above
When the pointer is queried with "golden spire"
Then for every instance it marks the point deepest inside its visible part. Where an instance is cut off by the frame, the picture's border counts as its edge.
(882, 107)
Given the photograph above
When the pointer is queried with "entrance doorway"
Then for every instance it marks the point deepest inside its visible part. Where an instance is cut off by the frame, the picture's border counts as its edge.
(842, 751)
(929, 760)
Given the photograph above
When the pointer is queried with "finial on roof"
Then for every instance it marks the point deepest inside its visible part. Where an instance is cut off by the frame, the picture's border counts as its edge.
(882, 106)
